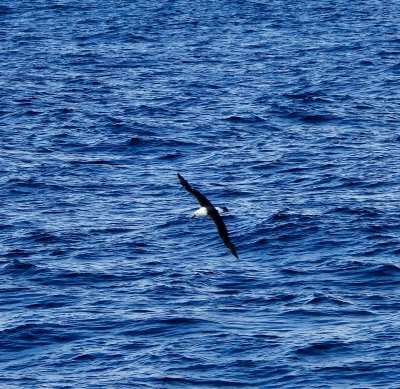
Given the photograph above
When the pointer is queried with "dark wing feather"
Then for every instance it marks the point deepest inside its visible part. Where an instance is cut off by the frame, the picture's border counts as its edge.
(199, 197)
(223, 232)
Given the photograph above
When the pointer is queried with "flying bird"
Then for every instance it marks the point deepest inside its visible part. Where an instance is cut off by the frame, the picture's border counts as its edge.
(208, 210)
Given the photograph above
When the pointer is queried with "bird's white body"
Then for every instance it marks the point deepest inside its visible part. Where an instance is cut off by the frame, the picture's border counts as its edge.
(201, 212)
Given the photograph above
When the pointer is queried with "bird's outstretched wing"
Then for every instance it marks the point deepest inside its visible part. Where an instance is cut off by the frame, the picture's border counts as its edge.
(222, 231)
(203, 201)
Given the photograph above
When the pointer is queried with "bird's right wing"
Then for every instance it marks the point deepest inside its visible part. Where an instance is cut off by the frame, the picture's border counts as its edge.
(203, 201)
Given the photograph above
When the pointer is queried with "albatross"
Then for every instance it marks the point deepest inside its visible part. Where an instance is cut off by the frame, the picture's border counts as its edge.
(208, 210)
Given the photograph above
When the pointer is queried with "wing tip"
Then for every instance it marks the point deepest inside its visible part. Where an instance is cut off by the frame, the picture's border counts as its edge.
(181, 179)
(232, 249)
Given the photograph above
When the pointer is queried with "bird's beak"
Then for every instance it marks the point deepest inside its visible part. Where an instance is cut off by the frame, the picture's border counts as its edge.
(193, 216)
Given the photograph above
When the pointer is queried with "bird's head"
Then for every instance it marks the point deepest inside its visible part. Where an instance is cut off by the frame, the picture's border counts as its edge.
(202, 212)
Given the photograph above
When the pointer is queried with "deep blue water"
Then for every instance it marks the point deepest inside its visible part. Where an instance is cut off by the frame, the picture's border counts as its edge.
(287, 112)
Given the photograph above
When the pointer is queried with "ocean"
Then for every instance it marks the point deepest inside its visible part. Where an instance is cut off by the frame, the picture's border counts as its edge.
(286, 112)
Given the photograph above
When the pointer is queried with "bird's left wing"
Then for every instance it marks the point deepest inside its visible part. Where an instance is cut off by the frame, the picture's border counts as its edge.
(223, 232)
